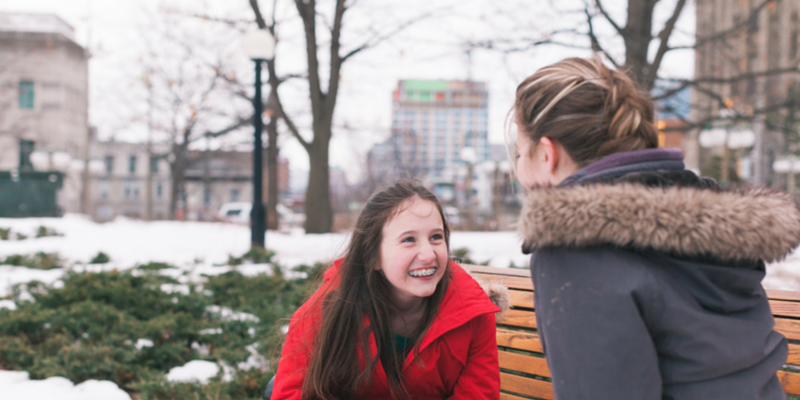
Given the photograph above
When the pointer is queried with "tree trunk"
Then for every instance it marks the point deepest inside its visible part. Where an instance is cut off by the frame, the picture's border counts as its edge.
(177, 172)
(319, 214)
(637, 35)
(272, 172)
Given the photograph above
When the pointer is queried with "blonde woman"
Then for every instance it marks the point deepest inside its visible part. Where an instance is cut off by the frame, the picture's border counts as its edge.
(647, 277)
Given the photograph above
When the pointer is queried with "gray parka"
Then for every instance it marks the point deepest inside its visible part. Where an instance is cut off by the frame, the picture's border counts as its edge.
(648, 283)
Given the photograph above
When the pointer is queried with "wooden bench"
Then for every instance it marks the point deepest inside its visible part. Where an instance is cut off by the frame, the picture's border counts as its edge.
(523, 369)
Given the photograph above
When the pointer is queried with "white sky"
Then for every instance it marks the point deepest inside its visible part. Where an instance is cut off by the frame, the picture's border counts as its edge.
(432, 49)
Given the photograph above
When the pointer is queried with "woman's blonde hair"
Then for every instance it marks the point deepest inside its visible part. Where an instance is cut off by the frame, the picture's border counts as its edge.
(590, 109)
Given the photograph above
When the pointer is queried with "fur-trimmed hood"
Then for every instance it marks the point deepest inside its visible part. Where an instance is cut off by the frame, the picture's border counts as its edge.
(748, 225)
(497, 293)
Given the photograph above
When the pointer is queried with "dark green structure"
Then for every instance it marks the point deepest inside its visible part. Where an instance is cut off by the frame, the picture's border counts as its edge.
(30, 193)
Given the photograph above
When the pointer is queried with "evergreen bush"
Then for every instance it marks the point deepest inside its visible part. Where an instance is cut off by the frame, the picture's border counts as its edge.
(89, 327)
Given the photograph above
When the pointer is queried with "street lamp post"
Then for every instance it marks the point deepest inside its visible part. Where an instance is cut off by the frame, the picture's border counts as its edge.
(259, 46)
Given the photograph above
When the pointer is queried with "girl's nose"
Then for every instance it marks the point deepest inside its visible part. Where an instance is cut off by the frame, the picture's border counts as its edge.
(426, 253)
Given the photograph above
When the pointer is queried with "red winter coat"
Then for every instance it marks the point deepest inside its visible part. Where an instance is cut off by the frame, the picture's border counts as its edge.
(459, 351)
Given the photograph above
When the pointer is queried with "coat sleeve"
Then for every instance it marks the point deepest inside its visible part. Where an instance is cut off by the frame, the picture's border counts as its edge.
(295, 357)
(594, 310)
(480, 377)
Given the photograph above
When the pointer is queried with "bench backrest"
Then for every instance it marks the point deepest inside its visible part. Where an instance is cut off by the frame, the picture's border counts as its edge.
(524, 371)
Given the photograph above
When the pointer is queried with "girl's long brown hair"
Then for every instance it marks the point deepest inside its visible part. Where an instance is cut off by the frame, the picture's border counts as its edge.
(334, 371)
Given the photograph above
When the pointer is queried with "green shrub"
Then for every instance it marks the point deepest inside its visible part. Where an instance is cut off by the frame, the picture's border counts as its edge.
(100, 258)
(21, 236)
(5, 233)
(462, 254)
(39, 260)
(88, 328)
(155, 266)
(255, 255)
(44, 231)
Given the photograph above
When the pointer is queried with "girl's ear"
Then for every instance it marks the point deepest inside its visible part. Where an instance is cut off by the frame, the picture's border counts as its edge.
(547, 154)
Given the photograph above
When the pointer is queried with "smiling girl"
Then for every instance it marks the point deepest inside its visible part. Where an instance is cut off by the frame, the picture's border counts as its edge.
(394, 318)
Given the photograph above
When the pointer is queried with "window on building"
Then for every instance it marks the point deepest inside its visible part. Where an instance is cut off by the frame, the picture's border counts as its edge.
(206, 196)
(104, 189)
(109, 164)
(25, 150)
(26, 94)
(234, 194)
(159, 190)
(132, 164)
(154, 165)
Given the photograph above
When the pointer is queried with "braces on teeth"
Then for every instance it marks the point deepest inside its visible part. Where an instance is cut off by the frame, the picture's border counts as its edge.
(423, 272)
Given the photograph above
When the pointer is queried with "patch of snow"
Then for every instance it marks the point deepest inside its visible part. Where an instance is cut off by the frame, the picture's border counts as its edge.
(211, 331)
(255, 360)
(18, 386)
(285, 329)
(172, 288)
(9, 304)
(203, 349)
(227, 314)
(142, 343)
(198, 371)
(12, 275)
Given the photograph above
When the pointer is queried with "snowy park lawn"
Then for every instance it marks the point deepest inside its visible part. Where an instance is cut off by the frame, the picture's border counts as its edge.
(196, 251)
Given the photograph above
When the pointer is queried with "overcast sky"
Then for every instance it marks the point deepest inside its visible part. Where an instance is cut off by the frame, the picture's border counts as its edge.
(431, 49)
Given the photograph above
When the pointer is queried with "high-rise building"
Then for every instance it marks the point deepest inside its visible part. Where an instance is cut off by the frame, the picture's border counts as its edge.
(746, 59)
(432, 121)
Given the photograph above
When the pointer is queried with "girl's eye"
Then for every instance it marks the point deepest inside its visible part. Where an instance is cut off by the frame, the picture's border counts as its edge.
(437, 237)
(408, 240)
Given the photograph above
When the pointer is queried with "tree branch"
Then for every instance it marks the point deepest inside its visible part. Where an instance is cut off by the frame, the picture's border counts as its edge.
(608, 17)
(663, 36)
(595, 42)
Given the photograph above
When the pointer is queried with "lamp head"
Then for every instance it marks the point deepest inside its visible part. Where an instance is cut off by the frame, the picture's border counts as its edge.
(258, 45)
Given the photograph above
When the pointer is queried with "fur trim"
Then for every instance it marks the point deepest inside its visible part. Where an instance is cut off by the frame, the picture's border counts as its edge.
(753, 224)
(497, 293)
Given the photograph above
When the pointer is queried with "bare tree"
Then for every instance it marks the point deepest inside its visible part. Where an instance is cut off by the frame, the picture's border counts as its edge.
(188, 82)
(322, 95)
(646, 44)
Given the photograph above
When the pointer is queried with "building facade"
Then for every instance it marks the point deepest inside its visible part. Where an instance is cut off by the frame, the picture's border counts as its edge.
(44, 98)
(127, 181)
(746, 71)
(432, 121)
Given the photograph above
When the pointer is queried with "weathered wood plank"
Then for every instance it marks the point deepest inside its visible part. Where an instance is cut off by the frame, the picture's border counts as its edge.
(522, 363)
(519, 340)
(526, 386)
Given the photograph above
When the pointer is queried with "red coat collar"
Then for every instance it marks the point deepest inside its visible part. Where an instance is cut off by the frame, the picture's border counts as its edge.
(463, 301)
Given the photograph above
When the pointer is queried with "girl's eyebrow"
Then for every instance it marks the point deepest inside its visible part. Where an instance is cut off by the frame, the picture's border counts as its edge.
(407, 232)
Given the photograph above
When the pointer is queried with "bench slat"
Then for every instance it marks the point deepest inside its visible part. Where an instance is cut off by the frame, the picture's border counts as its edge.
(790, 382)
(774, 294)
(512, 282)
(521, 363)
(519, 340)
(526, 386)
(519, 318)
(506, 396)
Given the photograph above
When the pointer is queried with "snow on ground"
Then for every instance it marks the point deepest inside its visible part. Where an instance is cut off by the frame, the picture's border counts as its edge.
(196, 248)
(199, 371)
(18, 385)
